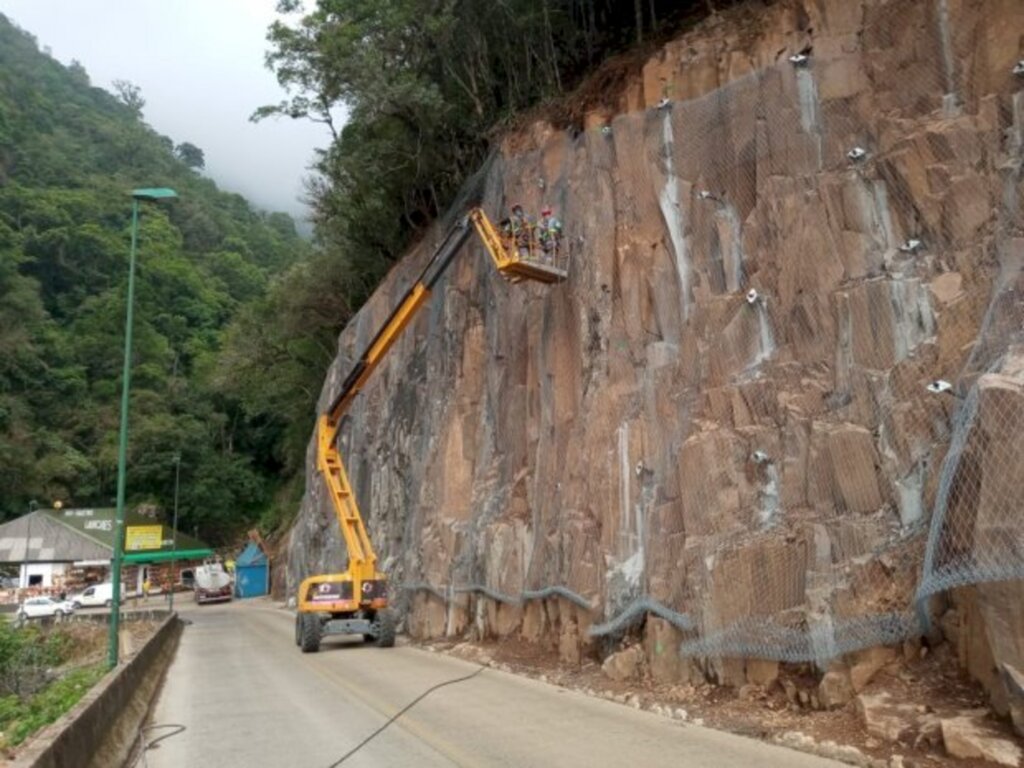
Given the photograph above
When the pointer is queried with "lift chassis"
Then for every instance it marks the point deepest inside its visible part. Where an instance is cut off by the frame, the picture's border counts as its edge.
(355, 602)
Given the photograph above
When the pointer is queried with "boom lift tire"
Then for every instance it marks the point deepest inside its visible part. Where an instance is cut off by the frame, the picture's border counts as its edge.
(309, 632)
(384, 623)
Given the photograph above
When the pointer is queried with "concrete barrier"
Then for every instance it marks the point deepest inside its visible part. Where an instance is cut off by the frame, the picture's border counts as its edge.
(100, 617)
(139, 614)
(100, 731)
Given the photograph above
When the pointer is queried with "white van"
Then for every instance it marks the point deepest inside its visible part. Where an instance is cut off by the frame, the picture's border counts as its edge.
(97, 594)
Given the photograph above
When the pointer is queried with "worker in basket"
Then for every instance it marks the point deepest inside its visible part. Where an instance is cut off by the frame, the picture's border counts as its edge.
(518, 230)
(549, 233)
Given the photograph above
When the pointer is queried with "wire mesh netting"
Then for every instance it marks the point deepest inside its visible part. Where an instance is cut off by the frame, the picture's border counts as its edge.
(835, 571)
(977, 527)
(846, 355)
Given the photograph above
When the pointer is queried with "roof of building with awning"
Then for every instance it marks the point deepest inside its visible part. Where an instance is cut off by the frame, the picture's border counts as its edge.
(73, 535)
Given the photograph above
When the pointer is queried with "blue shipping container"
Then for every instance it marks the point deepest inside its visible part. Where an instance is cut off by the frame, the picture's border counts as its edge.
(252, 572)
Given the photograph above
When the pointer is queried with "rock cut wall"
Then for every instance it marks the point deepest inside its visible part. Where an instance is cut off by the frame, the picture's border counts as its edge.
(720, 424)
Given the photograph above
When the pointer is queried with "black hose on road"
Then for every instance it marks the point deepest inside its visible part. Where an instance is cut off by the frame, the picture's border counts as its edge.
(399, 713)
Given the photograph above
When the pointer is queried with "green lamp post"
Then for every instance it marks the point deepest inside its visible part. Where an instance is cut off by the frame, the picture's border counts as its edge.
(159, 193)
(174, 531)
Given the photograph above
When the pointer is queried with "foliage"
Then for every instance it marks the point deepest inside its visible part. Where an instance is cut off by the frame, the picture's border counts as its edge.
(423, 83)
(20, 718)
(130, 95)
(190, 155)
(25, 655)
(69, 155)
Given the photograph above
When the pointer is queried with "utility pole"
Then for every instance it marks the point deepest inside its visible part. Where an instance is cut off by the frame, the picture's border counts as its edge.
(122, 445)
(174, 528)
(23, 576)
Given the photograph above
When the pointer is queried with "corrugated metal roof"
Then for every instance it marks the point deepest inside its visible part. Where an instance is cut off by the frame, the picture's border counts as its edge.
(71, 535)
(98, 524)
(38, 537)
(251, 555)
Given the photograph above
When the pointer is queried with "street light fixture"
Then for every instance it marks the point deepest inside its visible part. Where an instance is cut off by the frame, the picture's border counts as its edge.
(153, 195)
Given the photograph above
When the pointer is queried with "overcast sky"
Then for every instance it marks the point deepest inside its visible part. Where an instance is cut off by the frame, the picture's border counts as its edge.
(199, 64)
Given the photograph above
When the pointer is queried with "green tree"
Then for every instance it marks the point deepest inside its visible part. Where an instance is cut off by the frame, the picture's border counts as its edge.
(130, 95)
(190, 155)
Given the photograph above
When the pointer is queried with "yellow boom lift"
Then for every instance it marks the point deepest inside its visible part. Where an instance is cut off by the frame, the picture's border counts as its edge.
(356, 601)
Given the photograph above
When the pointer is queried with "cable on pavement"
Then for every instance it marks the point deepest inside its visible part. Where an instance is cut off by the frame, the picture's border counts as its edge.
(399, 713)
(149, 745)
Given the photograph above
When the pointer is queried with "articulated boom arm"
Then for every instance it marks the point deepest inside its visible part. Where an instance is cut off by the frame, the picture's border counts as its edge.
(362, 559)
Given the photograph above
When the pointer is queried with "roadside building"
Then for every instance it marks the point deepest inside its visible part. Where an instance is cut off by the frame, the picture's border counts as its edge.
(64, 550)
(252, 572)
(44, 549)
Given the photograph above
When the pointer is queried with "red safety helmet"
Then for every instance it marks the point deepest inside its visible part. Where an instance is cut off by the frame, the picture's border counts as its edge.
(545, 212)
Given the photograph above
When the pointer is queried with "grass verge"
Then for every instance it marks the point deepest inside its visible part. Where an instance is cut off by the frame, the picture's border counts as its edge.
(21, 717)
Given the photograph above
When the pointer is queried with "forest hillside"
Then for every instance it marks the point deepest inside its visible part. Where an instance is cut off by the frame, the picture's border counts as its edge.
(70, 154)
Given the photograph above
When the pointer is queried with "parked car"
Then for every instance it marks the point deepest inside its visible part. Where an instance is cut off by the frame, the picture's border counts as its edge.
(38, 607)
(97, 594)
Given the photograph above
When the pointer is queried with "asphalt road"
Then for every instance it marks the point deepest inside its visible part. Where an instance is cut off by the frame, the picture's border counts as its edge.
(248, 697)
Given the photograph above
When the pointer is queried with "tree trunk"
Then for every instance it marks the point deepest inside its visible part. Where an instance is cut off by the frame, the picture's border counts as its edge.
(552, 51)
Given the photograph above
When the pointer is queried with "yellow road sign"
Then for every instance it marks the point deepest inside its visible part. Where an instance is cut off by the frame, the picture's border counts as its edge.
(142, 537)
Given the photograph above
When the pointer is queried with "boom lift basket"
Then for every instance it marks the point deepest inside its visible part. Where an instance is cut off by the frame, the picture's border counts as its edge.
(522, 258)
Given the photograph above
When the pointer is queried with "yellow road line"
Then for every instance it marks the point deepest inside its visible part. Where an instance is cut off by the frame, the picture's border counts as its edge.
(407, 722)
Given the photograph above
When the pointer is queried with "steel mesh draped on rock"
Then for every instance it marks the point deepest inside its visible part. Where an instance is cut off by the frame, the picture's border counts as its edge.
(723, 420)
(546, 593)
(977, 530)
(831, 567)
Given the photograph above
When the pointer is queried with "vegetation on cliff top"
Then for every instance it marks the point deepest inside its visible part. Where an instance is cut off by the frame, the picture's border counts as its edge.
(425, 86)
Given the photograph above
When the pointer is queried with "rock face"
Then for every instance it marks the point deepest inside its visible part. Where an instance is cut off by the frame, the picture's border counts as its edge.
(835, 689)
(969, 736)
(757, 469)
(865, 664)
(624, 665)
(888, 720)
(986, 626)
